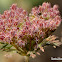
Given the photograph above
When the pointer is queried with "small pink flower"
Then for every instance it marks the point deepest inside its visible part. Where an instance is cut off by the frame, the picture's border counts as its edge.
(38, 53)
(41, 48)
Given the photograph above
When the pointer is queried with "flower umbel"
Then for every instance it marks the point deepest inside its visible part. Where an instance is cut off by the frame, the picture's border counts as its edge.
(28, 34)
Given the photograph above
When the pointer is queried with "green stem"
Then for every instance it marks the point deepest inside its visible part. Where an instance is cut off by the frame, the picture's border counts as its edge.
(26, 58)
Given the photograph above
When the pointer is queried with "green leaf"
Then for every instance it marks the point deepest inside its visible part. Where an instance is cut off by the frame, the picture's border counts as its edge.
(3, 46)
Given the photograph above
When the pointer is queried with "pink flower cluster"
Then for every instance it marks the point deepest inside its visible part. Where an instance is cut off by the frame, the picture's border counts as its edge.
(11, 22)
(46, 16)
(17, 27)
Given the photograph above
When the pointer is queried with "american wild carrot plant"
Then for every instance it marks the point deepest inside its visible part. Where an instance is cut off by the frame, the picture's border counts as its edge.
(27, 33)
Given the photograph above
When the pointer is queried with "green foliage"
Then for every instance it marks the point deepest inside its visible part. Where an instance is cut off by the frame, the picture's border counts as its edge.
(6, 47)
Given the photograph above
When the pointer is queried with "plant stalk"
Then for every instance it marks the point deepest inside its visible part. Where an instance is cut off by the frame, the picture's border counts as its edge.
(26, 58)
